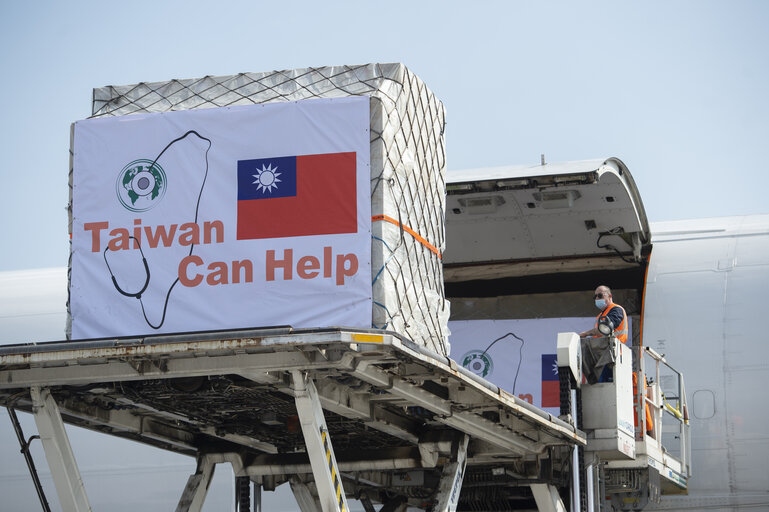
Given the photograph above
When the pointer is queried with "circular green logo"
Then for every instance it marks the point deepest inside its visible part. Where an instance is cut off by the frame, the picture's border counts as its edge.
(141, 185)
(478, 363)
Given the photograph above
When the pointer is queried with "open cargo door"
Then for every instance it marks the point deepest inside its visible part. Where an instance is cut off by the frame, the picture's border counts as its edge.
(553, 218)
(525, 249)
(535, 241)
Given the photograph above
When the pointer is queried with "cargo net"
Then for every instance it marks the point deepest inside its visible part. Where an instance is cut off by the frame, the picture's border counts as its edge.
(407, 172)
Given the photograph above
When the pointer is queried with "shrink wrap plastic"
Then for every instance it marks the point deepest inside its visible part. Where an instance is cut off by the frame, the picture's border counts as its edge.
(407, 172)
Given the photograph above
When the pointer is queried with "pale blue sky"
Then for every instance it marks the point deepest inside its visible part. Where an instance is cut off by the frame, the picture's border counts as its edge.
(676, 89)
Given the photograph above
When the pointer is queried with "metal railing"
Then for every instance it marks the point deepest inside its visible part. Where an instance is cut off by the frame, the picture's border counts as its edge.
(666, 399)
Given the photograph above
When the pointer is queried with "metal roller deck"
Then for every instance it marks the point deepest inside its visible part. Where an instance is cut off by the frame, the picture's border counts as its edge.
(390, 407)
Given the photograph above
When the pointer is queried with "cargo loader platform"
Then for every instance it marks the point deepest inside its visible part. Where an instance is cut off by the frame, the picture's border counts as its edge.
(335, 412)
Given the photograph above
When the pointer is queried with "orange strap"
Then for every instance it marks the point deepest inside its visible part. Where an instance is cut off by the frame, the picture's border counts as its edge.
(410, 231)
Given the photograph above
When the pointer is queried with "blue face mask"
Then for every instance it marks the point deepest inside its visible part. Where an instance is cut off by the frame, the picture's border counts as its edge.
(600, 304)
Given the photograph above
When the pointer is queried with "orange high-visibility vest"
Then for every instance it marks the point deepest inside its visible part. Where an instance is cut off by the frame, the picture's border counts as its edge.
(620, 331)
(649, 421)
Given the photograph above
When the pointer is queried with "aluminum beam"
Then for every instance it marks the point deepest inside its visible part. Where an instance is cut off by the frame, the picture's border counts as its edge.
(201, 365)
(58, 452)
(467, 422)
(197, 486)
(304, 497)
(328, 481)
(451, 477)
(547, 498)
(293, 463)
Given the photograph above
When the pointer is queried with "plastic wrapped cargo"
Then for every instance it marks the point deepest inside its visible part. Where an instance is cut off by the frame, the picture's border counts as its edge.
(407, 157)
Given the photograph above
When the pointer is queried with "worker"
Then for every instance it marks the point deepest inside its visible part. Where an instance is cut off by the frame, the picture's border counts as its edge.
(610, 310)
(618, 317)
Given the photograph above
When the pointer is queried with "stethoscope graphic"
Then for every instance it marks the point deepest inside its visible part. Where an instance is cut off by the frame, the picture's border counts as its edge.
(148, 275)
(138, 294)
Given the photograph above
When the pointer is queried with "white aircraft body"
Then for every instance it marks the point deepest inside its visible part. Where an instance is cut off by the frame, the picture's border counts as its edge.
(702, 300)
(704, 309)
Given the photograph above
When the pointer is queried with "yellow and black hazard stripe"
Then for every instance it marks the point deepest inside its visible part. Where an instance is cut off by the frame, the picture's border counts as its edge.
(334, 474)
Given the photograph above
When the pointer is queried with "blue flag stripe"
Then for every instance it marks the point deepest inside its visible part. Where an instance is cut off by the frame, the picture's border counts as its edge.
(549, 367)
(265, 178)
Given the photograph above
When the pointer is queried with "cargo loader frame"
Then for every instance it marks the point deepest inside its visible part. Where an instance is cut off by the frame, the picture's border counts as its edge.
(631, 464)
(58, 452)
(25, 444)
(337, 413)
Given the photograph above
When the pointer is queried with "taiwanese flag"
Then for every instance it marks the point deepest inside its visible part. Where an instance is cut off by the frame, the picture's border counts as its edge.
(550, 385)
(297, 196)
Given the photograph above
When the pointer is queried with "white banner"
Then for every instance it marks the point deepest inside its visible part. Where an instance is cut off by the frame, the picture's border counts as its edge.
(519, 356)
(222, 218)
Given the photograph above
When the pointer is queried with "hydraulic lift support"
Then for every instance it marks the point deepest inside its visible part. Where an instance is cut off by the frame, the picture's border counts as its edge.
(28, 458)
(377, 417)
(58, 452)
(316, 436)
(624, 458)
